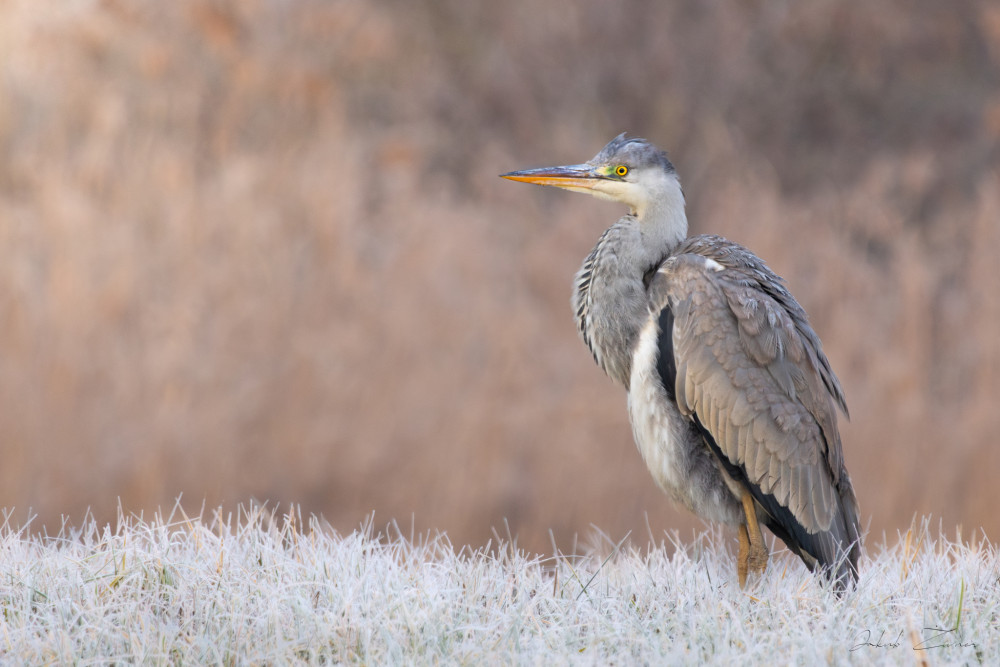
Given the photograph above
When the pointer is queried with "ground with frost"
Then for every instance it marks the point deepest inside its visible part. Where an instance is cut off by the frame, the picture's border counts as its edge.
(262, 588)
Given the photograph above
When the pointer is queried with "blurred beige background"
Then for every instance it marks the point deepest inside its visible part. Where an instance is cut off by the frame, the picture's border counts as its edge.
(259, 248)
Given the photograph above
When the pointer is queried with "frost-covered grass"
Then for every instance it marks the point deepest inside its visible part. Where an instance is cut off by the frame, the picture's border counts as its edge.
(261, 588)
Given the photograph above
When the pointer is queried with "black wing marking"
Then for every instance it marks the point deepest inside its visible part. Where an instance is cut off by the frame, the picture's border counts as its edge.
(665, 365)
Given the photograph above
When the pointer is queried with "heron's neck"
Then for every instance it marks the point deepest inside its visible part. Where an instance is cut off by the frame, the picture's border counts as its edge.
(661, 217)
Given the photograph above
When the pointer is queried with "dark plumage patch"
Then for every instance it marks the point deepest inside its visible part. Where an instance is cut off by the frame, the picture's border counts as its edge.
(666, 367)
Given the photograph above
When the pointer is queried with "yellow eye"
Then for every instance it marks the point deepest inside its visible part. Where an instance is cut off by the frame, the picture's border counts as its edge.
(621, 170)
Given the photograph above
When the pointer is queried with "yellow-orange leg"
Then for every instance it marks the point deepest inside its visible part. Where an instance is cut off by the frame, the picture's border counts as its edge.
(753, 552)
(743, 558)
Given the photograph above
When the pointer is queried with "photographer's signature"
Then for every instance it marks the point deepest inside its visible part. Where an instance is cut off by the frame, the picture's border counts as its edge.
(932, 638)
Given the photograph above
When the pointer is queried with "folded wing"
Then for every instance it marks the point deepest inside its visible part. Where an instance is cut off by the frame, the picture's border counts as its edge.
(751, 373)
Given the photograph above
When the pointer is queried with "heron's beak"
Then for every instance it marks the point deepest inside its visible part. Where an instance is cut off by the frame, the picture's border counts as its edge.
(579, 177)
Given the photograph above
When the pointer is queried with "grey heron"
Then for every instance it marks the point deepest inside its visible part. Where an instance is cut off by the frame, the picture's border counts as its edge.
(732, 401)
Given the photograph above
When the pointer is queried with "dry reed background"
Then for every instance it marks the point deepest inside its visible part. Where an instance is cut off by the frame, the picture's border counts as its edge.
(259, 248)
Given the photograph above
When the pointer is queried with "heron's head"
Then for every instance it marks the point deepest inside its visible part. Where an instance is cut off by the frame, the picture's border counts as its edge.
(628, 170)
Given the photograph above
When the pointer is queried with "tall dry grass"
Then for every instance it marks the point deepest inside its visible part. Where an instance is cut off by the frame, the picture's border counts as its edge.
(260, 249)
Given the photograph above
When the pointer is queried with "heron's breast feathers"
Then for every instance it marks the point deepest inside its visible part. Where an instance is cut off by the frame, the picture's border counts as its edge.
(582, 299)
(609, 303)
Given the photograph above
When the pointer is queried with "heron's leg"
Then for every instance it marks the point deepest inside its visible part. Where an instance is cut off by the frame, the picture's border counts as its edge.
(757, 551)
(743, 558)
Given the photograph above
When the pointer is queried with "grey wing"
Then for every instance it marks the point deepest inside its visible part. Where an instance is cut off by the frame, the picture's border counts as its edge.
(752, 375)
